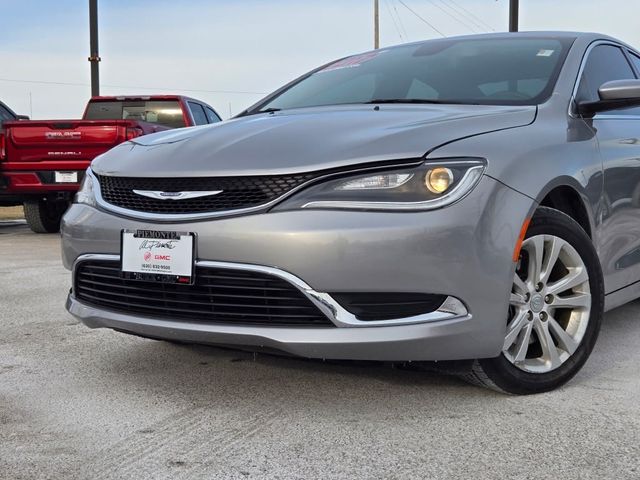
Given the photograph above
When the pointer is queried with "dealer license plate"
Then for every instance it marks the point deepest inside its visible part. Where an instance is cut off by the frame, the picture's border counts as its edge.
(66, 177)
(158, 256)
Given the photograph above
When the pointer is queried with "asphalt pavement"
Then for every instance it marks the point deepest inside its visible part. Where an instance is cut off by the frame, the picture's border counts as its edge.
(77, 403)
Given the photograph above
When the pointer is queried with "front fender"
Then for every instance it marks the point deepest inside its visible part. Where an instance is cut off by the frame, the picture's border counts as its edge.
(535, 159)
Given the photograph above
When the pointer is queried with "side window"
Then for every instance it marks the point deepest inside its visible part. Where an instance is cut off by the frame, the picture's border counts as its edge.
(211, 115)
(635, 59)
(605, 63)
(5, 116)
(199, 117)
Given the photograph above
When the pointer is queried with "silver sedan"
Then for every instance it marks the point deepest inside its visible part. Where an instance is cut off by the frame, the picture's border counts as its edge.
(472, 199)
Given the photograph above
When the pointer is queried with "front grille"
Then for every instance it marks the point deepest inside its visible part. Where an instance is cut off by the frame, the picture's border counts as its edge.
(237, 192)
(220, 296)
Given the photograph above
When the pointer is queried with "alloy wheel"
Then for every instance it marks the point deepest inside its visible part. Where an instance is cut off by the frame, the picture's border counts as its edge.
(550, 305)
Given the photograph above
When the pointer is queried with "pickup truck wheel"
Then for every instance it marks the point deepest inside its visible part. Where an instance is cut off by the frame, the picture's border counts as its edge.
(44, 216)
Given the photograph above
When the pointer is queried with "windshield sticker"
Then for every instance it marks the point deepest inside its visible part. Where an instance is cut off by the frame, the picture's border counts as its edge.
(545, 53)
(352, 62)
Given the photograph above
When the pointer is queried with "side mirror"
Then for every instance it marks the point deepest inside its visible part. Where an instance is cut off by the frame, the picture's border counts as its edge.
(613, 95)
(22, 117)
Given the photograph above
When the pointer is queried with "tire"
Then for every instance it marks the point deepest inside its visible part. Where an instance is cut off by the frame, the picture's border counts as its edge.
(44, 216)
(539, 369)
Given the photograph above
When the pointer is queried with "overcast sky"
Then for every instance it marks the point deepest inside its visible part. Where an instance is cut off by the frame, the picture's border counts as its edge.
(230, 52)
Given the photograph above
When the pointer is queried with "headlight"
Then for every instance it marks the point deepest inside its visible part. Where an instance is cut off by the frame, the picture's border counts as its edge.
(432, 184)
(374, 182)
(438, 180)
(86, 195)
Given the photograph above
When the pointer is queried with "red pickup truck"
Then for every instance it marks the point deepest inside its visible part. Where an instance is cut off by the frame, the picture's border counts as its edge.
(42, 162)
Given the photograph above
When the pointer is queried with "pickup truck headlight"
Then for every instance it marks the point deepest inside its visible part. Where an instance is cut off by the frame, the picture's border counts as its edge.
(86, 194)
(432, 184)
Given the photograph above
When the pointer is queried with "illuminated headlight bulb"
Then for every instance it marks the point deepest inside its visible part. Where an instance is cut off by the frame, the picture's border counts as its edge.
(438, 180)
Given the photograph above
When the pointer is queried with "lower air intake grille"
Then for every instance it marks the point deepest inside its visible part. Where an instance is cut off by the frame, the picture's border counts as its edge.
(220, 296)
(236, 192)
(388, 306)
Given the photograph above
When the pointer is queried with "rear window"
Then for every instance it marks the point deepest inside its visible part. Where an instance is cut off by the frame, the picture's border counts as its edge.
(162, 112)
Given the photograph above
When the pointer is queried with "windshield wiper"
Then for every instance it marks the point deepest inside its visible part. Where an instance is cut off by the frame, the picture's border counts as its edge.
(268, 110)
(256, 112)
(415, 100)
(379, 101)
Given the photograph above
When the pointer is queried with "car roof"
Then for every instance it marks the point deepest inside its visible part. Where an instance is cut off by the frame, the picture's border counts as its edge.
(106, 98)
(585, 36)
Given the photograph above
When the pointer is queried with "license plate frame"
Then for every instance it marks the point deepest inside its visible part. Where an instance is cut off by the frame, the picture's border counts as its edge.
(65, 177)
(158, 256)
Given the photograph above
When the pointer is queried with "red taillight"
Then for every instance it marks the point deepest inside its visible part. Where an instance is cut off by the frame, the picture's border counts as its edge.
(3, 152)
(133, 132)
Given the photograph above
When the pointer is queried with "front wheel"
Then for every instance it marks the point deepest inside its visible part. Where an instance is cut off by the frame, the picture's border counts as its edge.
(555, 309)
(43, 216)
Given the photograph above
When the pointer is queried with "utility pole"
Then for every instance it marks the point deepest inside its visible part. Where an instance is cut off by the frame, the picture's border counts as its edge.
(513, 15)
(94, 57)
(376, 24)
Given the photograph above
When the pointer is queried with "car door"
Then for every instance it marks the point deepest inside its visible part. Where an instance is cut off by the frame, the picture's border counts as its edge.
(618, 135)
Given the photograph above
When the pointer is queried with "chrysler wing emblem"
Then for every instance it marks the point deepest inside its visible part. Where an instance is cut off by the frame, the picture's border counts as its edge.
(176, 195)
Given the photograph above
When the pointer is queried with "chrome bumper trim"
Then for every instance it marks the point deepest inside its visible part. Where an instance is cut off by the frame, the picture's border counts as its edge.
(452, 308)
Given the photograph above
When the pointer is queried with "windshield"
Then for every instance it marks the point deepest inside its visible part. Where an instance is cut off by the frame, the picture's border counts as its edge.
(162, 112)
(506, 71)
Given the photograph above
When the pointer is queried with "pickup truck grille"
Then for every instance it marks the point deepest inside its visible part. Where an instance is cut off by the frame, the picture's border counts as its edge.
(237, 192)
(219, 296)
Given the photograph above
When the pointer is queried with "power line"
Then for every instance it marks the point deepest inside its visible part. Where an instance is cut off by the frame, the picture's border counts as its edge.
(451, 15)
(395, 8)
(395, 24)
(421, 18)
(472, 15)
(72, 84)
(465, 16)
(468, 16)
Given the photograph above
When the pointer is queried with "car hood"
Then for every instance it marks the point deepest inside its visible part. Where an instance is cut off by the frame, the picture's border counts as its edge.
(301, 140)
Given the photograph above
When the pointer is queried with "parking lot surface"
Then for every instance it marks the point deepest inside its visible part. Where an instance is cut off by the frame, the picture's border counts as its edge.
(96, 404)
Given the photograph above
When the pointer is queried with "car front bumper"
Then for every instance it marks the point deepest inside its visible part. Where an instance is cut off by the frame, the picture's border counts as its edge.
(463, 251)
(393, 343)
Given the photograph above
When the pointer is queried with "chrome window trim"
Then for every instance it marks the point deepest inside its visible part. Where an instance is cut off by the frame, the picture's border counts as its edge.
(583, 63)
(170, 217)
(451, 309)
